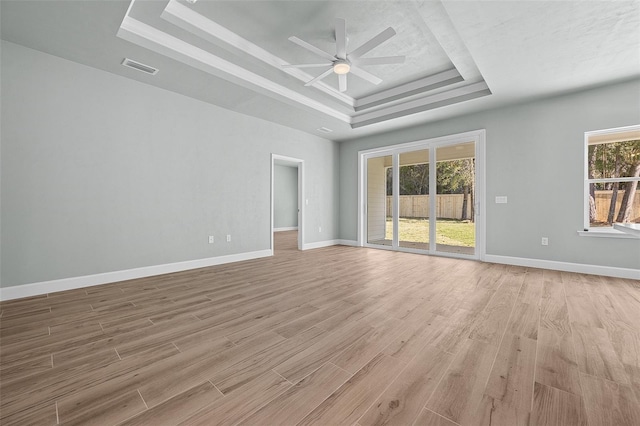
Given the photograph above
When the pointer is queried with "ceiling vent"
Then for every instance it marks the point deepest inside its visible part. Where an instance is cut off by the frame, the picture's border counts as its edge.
(140, 67)
(325, 130)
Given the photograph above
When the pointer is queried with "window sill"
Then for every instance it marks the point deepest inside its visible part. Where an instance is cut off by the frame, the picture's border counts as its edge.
(606, 233)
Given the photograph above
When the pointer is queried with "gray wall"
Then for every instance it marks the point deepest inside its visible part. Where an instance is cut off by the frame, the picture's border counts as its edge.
(285, 196)
(101, 173)
(534, 156)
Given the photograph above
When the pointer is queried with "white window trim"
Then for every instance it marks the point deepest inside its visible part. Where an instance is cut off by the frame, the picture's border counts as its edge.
(598, 232)
(606, 233)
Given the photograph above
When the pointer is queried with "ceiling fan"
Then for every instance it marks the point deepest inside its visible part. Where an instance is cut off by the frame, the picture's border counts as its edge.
(343, 63)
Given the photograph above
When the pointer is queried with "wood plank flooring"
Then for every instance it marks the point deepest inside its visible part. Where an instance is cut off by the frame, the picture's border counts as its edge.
(333, 336)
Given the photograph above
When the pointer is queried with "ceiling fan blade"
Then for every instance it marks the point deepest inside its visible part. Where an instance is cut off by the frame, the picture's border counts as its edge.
(312, 48)
(365, 75)
(326, 64)
(341, 38)
(320, 77)
(374, 42)
(342, 82)
(380, 60)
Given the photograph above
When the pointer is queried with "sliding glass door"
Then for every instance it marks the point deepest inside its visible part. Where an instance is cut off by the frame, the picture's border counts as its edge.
(413, 200)
(379, 169)
(455, 185)
(423, 197)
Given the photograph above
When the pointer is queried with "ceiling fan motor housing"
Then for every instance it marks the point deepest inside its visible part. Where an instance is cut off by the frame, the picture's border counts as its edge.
(341, 66)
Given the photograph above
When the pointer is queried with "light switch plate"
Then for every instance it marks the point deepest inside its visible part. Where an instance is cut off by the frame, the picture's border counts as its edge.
(502, 199)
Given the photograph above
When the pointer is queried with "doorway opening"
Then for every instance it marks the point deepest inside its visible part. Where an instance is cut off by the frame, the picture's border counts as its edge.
(425, 196)
(287, 208)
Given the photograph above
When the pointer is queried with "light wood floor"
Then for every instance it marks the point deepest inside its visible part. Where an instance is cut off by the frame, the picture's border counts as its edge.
(333, 336)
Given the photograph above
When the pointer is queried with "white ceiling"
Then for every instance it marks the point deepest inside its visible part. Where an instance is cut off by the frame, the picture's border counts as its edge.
(462, 56)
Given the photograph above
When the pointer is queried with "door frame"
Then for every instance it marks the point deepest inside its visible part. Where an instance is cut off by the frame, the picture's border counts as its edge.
(476, 136)
(299, 164)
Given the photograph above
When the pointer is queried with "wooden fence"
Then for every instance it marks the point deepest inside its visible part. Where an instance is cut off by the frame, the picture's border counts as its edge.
(603, 201)
(449, 206)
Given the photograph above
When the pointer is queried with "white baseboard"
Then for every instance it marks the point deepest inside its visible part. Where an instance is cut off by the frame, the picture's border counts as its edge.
(290, 228)
(44, 287)
(320, 244)
(609, 271)
(328, 243)
(352, 243)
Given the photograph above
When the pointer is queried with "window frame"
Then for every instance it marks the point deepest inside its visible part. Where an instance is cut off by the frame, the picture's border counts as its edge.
(608, 231)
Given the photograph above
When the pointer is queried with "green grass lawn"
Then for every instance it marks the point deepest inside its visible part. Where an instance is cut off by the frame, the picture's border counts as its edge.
(448, 231)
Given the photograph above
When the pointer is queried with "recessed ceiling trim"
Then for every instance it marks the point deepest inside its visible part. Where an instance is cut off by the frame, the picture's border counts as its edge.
(147, 36)
(203, 27)
(402, 109)
(413, 94)
(422, 85)
(424, 107)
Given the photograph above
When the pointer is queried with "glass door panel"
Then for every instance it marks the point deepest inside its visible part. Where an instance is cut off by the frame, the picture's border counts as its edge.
(455, 188)
(413, 211)
(379, 207)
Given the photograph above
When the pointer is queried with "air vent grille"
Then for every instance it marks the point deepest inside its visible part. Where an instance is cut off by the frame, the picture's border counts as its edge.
(140, 67)
(325, 130)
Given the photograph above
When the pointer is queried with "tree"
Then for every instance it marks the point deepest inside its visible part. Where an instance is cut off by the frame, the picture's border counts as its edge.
(624, 215)
(454, 177)
(593, 153)
(457, 177)
(615, 186)
(631, 159)
(467, 176)
(614, 160)
(414, 180)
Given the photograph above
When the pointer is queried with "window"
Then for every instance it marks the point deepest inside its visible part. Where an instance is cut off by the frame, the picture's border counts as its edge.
(612, 169)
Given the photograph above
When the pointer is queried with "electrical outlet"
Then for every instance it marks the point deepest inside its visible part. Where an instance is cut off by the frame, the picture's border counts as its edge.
(210, 239)
(319, 228)
(545, 241)
(228, 238)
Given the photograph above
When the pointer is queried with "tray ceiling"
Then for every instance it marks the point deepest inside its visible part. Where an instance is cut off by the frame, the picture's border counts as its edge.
(461, 56)
(247, 42)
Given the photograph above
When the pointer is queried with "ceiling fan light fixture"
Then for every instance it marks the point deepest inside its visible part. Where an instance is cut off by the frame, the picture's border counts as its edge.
(341, 64)
(341, 67)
